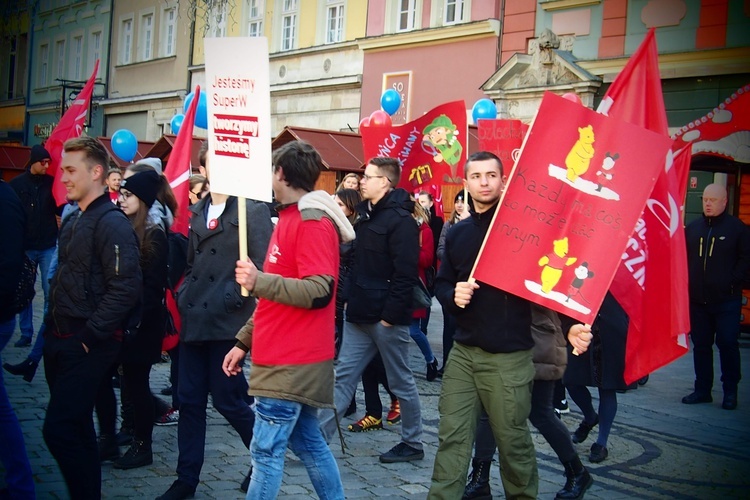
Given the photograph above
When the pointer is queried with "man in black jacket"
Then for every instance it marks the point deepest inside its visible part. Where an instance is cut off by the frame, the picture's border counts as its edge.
(718, 250)
(96, 286)
(34, 188)
(379, 303)
(490, 364)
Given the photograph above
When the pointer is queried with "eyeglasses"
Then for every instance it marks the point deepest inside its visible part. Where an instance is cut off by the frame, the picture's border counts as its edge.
(366, 177)
(199, 194)
(125, 194)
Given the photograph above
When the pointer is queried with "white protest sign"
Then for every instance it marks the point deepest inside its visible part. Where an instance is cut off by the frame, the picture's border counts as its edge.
(239, 116)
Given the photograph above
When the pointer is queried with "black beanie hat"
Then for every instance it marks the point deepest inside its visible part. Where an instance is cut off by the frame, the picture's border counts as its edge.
(38, 153)
(144, 185)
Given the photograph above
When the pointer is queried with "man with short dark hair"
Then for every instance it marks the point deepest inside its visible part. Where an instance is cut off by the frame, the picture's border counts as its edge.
(490, 364)
(93, 295)
(379, 299)
(718, 250)
(290, 332)
(34, 188)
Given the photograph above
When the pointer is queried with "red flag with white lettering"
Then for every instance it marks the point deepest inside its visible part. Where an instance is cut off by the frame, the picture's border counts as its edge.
(178, 167)
(70, 126)
(651, 282)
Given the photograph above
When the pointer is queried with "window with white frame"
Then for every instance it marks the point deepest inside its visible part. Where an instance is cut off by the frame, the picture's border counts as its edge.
(407, 14)
(126, 41)
(43, 65)
(147, 37)
(289, 25)
(454, 11)
(76, 57)
(60, 59)
(169, 32)
(255, 18)
(218, 20)
(334, 21)
(95, 48)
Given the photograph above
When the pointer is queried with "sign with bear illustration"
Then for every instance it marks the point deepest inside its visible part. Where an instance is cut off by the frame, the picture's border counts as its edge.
(571, 203)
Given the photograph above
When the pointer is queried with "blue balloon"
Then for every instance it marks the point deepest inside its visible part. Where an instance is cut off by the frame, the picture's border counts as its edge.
(176, 123)
(390, 101)
(483, 108)
(124, 144)
(201, 111)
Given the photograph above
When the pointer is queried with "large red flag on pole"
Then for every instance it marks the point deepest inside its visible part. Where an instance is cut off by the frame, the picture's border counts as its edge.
(651, 282)
(178, 167)
(70, 126)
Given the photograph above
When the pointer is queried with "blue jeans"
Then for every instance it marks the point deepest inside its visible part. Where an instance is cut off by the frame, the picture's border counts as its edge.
(421, 339)
(43, 259)
(278, 424)
(12, 448)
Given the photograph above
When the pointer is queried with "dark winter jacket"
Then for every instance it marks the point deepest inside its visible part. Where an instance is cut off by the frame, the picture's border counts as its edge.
(210, 303)
(12, 224)
(495, 321)
(385, 263)
(718, 251)
(145, 345)
(550, 352)
(98, 280)
(603, 363)
(35, 192)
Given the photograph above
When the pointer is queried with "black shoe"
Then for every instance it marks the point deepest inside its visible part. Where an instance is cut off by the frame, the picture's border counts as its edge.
(167, 391)
(580, 435)
(178, 491)
(432, 370)
(578, 480)
(138, 455)
(23, 342)
(598, 453)
(402, 452)
(108, 449)
(26, 368)
(730, 401)
(352, 409)
(478, 485)
(124, 437)
(245, 484)
(696, 397)
(642, 381)
(441, 371)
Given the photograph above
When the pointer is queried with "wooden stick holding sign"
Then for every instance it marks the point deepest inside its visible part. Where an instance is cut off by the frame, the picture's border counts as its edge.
(242, 221)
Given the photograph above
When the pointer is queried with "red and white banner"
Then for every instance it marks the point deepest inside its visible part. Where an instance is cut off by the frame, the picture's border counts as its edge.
(571, 203)
(503, 138)
(70, 126)
(652, 281)
(432, 149)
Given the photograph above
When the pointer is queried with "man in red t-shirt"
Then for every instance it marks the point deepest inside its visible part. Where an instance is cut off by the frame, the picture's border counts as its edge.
(114, 178)
(291, 332)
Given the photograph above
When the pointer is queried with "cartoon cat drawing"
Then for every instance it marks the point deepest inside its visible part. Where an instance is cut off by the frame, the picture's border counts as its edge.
(553, 264)
(580, 155)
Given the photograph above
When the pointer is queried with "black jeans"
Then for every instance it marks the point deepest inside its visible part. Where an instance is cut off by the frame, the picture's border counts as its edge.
(74, 378)
(200, 373)
(135, 377)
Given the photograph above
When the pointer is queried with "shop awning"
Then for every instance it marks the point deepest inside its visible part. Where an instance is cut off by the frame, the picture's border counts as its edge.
(340, 151)
(13, 160)
(724, 132)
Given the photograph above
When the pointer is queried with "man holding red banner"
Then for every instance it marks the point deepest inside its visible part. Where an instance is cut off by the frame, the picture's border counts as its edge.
(718, 249)
(490, 364)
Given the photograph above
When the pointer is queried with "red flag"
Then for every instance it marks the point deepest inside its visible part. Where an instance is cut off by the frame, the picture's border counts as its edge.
(651, 283)
(178, 167)
(70, 126)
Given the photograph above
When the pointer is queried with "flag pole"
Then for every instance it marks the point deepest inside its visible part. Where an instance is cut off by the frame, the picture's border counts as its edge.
(242, 221)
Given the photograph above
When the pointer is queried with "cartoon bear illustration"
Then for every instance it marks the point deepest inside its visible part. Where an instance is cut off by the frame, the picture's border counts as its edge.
(553, 264)
(582, 273)
(580, 155)
(605, 175)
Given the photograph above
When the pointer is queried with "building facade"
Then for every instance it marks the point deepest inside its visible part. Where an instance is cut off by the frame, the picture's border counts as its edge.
(66, 37)
(14, 60)
(149, 57)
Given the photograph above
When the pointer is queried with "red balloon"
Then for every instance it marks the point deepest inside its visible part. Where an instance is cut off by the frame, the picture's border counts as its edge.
(364, 122)
(572, 97)
(380, 118)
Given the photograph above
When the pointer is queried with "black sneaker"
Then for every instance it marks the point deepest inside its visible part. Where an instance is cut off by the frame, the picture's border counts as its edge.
(245, 484)
(402, 452)
(580, 435)
(697, 398)
(178, 491)
(138, 455)
(598, 453)
(432, 370)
